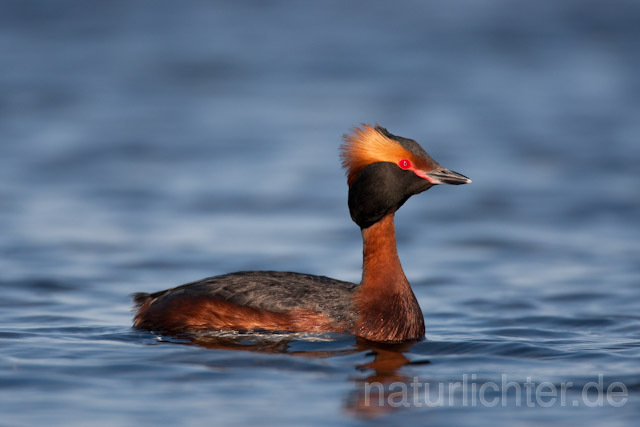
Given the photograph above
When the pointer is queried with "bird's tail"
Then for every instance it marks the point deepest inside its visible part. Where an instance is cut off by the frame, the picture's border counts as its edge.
(141, 298)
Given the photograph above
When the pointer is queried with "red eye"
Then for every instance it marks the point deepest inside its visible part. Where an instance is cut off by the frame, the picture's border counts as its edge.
(404, 164)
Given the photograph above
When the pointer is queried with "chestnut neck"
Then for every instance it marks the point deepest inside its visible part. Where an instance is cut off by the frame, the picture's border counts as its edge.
(381, 268)
(386, 306)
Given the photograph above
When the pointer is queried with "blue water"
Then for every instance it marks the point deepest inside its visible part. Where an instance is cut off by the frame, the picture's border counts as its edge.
(148, 144)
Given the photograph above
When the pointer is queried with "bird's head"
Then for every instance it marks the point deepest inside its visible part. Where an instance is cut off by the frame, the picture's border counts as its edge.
(384, 170)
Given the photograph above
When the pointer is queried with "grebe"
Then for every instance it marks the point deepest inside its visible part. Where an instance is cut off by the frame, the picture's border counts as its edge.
(383, 171)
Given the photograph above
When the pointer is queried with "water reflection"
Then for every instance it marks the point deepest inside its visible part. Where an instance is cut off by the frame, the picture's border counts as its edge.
(371, 394)
(371, 397)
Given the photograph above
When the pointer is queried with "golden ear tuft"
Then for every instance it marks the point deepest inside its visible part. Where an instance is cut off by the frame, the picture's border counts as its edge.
(366, 145)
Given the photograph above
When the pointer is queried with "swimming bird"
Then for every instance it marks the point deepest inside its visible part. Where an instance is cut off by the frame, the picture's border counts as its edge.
(383, 170)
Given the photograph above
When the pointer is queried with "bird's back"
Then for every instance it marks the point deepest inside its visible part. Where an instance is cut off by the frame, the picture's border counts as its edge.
(263, 291)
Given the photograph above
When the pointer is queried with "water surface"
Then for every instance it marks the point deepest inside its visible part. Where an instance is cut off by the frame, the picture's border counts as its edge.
(147, 145)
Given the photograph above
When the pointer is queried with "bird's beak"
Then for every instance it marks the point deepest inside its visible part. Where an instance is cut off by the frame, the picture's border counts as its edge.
(446, 176)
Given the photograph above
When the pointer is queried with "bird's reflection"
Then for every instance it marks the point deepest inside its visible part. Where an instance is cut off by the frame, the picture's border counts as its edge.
(371, 396)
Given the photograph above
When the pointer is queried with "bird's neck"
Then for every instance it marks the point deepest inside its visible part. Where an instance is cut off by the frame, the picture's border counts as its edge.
(387, 308)
(381, 266)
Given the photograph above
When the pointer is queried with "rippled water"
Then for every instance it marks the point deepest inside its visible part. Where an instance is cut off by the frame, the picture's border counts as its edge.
(150, 144)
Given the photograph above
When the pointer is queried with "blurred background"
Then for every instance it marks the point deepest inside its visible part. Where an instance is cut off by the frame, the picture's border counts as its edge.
(147, 144)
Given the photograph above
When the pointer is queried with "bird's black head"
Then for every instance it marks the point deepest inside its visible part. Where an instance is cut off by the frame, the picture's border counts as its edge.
(384, 170)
